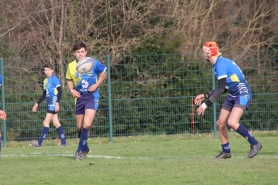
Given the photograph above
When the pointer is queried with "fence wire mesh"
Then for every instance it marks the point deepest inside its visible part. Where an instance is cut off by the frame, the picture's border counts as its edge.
(151, 94)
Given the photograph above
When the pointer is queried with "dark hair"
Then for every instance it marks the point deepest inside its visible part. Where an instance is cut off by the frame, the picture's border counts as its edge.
(48, 66)
(78, 46)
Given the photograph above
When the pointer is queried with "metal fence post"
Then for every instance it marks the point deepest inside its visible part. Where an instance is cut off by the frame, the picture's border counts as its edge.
(3, 101)
(109, 98)
(214, 105)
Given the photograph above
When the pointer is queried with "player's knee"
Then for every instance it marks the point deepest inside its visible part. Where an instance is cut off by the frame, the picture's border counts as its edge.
(79, 126)
(45, 123)
(56, 124)
(87, 126)
(220, 125)
(233, 124)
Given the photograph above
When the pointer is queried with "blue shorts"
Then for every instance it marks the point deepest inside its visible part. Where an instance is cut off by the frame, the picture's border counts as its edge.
(51, 111)
(86, 102)
(242, 101)
(51, 103)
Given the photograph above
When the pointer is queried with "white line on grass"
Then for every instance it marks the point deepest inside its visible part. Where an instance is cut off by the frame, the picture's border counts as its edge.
(71, 155)
(121, 157)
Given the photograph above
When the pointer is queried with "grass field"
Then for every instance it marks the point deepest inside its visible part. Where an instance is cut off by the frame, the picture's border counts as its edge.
(159, 159)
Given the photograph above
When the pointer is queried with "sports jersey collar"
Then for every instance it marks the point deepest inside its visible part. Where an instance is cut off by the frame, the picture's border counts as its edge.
(50, 76)
(217, 59)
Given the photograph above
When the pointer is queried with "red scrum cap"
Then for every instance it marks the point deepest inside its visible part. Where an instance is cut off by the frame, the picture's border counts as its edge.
(210, 49)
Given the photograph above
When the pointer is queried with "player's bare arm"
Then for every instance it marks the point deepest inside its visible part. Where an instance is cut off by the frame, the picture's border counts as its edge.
(201, 110)
(34, 109)
(102, 77)
(198, 100)
(3, 115)
(73, 92)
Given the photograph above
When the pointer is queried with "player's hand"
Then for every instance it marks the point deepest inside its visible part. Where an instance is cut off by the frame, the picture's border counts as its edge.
(57, 107)
(201, 109)
(3, 115)
(92, 88)
(74, 93)
(198, 100)
(34, 109)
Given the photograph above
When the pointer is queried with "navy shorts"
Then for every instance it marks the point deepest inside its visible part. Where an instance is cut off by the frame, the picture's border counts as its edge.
(51, 108)
(242, 101)
(50, 104)
(86, 102)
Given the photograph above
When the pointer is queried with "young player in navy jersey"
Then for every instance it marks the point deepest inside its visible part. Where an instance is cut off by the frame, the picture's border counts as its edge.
(230, 79)
(52, 93)
(84, 87)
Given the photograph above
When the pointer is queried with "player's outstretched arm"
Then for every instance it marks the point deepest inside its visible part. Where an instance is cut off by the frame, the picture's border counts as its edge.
(3, 115)
(198, 100)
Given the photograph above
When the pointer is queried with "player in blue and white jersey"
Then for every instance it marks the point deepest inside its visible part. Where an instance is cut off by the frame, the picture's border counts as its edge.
(84, 87)
(52, 93)
(230, 79)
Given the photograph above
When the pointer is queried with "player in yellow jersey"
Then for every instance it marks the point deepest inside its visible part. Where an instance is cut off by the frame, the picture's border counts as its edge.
(84, 87)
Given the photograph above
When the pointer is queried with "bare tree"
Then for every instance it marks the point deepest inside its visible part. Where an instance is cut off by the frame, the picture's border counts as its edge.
(108, 27)
(239, 26)
(47, 29)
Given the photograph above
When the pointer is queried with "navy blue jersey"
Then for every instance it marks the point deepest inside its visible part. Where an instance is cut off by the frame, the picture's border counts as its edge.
(50, 85)
(236, 82)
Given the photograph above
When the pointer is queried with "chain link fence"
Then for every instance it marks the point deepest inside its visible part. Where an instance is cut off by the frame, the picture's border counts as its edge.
(150, 94)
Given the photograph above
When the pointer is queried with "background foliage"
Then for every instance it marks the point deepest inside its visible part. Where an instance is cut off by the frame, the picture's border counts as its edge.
(156, 65)
(151, 94)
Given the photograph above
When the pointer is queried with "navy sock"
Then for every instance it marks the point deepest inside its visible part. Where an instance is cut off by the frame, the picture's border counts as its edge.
(245, 133)
(226, 147)
(82, 146)
(61, 134)
(43, 135)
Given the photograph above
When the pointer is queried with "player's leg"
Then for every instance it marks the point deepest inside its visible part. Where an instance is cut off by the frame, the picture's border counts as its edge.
(88, 120)
(44, 132)
(241, 104)
(83, 142)
(223, 133)
(89, 115)
(45, 129)
(222, 127)
(79, 115)
(59, 129)
(79, 123)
